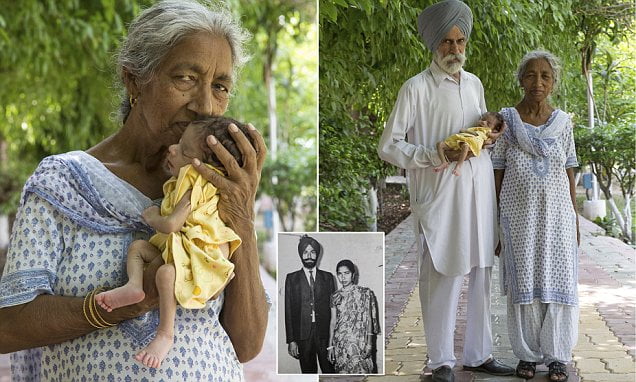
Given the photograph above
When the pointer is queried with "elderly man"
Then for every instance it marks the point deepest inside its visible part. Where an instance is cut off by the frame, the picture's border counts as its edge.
(455, 216)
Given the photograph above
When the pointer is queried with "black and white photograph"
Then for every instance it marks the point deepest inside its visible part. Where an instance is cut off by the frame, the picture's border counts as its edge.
(330, 303)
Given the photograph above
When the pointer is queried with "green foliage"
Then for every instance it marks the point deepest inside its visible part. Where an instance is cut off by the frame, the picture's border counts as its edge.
(369, 49)
(293, 186)
(284, 53)
(609, 149)
(56, 79)
(609, 225)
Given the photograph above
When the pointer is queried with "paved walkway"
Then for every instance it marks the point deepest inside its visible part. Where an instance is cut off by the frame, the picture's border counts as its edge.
(606, 345)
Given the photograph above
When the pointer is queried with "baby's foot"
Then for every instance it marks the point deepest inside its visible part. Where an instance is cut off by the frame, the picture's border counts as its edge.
(456, 171)
(441, 167)
(118, 297)
(154, 353)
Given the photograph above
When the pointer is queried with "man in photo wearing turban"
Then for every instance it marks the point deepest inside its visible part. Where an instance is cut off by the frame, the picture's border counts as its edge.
(434, 104)
(307, 310)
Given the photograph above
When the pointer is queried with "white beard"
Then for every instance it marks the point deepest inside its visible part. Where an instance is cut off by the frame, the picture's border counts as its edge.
(448, 63)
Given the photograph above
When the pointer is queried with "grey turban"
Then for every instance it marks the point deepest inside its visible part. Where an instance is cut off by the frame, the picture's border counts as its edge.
(437, 20)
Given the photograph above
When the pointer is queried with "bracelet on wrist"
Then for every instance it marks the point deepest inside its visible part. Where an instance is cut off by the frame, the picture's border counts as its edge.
(94, 317)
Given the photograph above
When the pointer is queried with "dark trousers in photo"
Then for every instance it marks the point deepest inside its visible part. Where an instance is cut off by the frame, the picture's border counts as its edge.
(309, 349)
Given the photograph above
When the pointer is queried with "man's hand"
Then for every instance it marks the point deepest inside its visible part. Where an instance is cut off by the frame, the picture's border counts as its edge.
(292, 349)
(498, 249)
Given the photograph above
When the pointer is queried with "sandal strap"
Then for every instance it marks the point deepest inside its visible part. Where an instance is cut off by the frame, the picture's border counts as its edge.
(527, 365)
(526, 370)
(557, 367)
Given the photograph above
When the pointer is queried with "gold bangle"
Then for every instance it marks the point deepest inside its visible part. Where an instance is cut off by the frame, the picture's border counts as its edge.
(100, 320)
(89, 296)
(91, 310)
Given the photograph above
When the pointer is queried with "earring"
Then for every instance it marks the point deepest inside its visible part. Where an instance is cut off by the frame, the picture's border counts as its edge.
(133, 101)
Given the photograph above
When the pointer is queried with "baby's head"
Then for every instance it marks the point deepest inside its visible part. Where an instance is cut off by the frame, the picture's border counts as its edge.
(493, 120)
(192, 143)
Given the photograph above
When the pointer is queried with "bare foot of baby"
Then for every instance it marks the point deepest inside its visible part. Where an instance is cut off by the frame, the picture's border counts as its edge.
(154, 353)
(118, 297)
(441, 167)
(456, 171)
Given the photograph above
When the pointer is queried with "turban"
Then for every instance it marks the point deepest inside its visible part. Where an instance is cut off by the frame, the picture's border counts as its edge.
(305, 241)
(437, 20)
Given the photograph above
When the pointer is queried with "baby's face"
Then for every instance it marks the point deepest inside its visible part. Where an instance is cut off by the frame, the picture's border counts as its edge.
(489, 121)
(188, 148)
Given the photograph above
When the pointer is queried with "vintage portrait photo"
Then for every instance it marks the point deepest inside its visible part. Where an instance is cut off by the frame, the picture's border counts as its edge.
(330, 303)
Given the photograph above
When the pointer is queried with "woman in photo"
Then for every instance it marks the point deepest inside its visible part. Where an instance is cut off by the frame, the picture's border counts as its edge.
(354, 324)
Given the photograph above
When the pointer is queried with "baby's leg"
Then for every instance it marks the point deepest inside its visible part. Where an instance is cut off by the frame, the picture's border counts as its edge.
(441, 147)
(461, 159)
(140, 252)
(158, 349)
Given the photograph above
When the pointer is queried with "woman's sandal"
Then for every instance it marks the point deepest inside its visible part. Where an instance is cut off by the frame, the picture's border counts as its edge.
(526, 369)
(557, 372)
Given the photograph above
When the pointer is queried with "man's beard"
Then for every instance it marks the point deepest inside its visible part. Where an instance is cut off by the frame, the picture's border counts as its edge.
(451, 63)
(308, 263)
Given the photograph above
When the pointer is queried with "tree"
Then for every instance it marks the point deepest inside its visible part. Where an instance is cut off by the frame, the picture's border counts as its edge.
(285, 61)
(609, 147)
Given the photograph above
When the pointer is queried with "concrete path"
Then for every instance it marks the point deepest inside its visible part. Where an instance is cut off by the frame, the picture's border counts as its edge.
(607, 289)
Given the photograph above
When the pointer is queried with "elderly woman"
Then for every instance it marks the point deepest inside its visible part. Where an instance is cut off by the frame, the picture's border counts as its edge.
(354, 324)
(80, 211)
(534, 180)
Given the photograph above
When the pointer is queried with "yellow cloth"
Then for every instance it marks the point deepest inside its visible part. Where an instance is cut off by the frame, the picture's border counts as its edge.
(474, 141)
(201, 268)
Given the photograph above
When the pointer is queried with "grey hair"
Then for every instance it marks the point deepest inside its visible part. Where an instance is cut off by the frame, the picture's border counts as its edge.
(553, 61)
(159, 28)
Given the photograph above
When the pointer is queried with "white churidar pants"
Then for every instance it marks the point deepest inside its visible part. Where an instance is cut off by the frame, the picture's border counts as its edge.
(541, 332)
(439, 297)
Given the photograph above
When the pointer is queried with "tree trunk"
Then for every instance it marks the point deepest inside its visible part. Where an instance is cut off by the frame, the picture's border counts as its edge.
(270, 85)
(627, 213)
(619, 217)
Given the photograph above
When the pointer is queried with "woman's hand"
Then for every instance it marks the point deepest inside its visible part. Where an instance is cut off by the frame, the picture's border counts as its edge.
(331, 354)
(238, 190)
(245, 295)
(498, 249)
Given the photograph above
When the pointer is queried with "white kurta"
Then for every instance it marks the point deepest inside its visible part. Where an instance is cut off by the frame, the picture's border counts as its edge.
(455, 213)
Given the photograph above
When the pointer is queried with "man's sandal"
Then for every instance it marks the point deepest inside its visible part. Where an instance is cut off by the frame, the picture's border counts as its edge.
(526, 369)
(557, 371)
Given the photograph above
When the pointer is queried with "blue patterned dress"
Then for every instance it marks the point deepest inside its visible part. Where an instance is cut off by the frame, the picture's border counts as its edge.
(537, 220)
(71, 235)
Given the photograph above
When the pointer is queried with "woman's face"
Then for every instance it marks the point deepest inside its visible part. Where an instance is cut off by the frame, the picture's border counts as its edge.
(537, 80)
(344, 276)
(192, 82)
